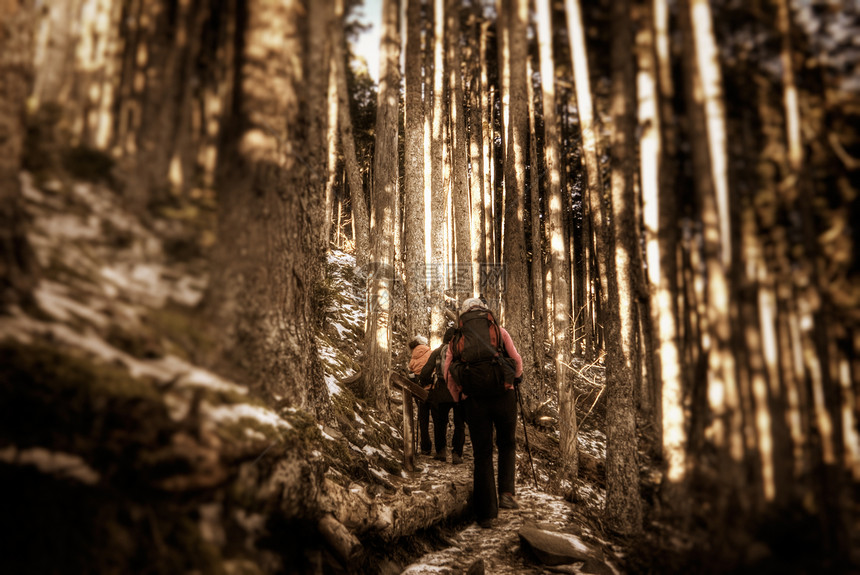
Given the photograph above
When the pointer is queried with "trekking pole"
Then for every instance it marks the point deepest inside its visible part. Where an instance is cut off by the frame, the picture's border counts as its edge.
(526, 433)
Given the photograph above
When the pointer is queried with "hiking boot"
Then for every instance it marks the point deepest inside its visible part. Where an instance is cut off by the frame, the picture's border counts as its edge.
(507, 501)
(456, 459)
(441, 455)
(425, 452)
(485, 523)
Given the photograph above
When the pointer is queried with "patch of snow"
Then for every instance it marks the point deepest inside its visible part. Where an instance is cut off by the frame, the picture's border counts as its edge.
(232, 413)
(52, 462)
(332, 384)
(193, 376)
(53, 300)
(370, 450)
(341, 330)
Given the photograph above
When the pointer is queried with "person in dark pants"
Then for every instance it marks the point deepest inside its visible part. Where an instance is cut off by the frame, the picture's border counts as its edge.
(420, 353)
(483, 415)
(441, 402)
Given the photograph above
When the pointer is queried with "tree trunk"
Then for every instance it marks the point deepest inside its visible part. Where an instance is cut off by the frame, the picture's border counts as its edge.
(463, 285)
(417, 319)
(380, 281)
(590, 149)
(623, 501)
(361, 219)
(268, 214)
(517, 300)
(476, 157)
(437, 201)
(487, 103)
(561, 295)
(331, 152)
(539, 291)
(659, 223)
(709, 157)
(18, 265)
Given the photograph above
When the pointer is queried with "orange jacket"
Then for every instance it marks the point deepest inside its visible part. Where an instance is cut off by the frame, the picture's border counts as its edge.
(419, 357)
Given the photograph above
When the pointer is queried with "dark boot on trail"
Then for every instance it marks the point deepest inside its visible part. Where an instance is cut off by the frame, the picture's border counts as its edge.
(441, 455)
(507, 501)
(456, 459)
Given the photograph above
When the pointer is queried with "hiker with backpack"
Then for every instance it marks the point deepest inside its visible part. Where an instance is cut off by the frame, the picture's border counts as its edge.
(441, 404)
(482, 368)
(420, 353)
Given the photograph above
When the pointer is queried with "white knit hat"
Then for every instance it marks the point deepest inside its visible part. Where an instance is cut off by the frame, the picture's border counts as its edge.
(472, 303)
(420, 340)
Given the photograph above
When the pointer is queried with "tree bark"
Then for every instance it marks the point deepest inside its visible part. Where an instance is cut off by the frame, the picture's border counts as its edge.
(623, 501)
(517, 300)
(561, 294)
(476, 157)
(268, 214)
(463, 284)
(437, 201)
(539, 289)
(331, 152)
(361, 219)
(380, 279)
(417, 318)
(18, 264)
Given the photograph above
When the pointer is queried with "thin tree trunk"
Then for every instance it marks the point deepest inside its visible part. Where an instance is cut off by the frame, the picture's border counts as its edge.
(476, 157)
(437, 203)
(331, 149)
(537, 267)
(709, 153)
(487, 144)
(590, 148)
(623, 501)
(561, 294)
(659, 222)
(417, 320)
(380, 279)
(361, 219)
(463, 284)
(517, 300)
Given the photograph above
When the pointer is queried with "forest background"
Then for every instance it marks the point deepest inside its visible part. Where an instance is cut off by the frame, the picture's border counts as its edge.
(667, 190)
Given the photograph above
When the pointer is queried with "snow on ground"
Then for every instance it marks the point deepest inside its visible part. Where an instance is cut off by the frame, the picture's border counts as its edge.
(233, 413)
(499, 546)
(343, 328)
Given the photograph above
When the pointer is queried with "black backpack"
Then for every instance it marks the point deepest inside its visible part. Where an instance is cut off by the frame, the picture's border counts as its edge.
(480, 365)
(439, 391)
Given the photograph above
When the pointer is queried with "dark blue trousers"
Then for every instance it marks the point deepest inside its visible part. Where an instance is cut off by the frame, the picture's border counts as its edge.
(483, 415)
